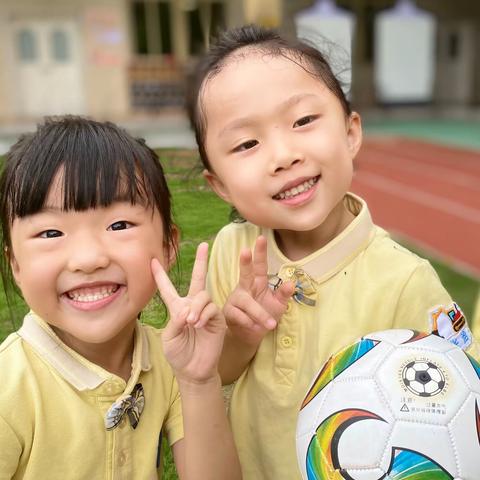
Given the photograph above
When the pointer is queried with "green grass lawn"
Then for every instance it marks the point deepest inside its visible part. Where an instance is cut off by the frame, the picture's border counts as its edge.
(200, 214)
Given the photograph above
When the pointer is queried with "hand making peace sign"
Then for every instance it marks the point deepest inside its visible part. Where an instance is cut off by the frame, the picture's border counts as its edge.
(253, 308)
(193, 337)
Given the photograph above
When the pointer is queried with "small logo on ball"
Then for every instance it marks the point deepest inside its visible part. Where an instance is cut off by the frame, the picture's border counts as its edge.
(423, 378)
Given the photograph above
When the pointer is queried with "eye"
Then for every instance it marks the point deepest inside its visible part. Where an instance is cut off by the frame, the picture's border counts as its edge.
(120, 225)
(50, 234)
(246, 146)
(305, 120)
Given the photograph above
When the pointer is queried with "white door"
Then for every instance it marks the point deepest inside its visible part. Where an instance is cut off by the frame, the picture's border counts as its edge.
(49, 68)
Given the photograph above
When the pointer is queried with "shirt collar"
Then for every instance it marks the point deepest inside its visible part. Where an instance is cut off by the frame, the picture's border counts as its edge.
(324, 263)
(75, 369)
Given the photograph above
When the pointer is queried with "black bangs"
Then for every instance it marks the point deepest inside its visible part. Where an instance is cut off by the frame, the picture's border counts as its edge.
(97, 164)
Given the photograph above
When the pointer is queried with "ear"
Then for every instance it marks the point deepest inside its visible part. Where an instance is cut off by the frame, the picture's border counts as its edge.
(171, 249)
(217, 185)
(14, 267)
(354, 133)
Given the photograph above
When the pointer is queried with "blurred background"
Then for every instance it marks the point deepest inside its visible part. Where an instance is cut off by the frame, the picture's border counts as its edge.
(123, 58)
(412, 69)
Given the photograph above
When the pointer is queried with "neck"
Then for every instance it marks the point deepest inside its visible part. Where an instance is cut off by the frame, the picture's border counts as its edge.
(296, 245)
(115, 356)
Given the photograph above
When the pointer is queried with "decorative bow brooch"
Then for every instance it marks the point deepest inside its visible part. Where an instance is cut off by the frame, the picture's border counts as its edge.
(132, 406)
(304, 286)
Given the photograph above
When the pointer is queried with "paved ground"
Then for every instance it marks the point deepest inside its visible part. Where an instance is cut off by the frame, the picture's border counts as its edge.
(460, 133)
(169, 130)
(425, 192)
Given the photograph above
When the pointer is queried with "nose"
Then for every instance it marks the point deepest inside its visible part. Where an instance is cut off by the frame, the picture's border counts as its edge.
(285, 154)
(87, 254)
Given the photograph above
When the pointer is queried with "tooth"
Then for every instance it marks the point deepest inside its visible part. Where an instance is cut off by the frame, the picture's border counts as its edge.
(81, 296)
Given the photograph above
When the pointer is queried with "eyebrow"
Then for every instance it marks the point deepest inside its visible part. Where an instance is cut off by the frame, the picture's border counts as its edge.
(243, 122)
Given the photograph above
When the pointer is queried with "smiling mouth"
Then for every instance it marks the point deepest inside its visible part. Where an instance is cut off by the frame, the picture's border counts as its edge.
(91, 294)
(298, 189)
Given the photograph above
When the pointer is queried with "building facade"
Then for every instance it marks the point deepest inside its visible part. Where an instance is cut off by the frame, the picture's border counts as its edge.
(104, 58)
(116, 58)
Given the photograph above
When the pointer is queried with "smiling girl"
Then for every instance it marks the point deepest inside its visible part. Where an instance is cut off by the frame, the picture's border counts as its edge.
(277, 137)
(87, 390)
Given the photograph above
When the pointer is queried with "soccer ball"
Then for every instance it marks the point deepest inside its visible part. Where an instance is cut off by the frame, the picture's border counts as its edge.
(397, 404)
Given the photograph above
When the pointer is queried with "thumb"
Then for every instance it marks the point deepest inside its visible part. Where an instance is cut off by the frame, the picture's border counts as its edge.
(285, 291)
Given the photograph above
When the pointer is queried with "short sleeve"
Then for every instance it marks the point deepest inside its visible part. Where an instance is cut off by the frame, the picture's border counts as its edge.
(173, 425)
(422, 292)
(10, 449)
(421, 295)
(476, 318)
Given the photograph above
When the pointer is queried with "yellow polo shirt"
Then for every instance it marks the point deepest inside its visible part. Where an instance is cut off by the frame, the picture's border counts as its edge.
(476, 318)
(53, 403)
(362, 281)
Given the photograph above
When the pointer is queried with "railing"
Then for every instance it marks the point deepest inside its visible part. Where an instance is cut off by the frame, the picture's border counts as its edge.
(155, 82)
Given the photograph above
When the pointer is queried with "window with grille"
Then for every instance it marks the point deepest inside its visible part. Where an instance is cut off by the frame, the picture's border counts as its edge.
(152, 30)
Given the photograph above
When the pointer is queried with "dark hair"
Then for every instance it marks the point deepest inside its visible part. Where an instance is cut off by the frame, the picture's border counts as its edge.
(101, 164)
(262, 40)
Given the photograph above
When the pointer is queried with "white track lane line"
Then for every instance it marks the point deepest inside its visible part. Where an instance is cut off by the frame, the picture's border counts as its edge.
(450, 175)
(403, 191)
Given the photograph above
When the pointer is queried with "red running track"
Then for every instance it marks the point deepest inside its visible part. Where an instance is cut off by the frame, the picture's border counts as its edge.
(427, 193)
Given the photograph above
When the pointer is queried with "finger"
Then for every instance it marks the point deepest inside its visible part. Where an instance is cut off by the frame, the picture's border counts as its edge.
(237, 318)
(165, 286)
(260, 265)
(211, 315)
(199, 272)
(247, 277)
(197, 304)
(255, 312)
(284, 292)
(176, 324)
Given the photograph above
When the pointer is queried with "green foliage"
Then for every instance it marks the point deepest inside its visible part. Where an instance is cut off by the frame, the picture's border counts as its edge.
(199, 214)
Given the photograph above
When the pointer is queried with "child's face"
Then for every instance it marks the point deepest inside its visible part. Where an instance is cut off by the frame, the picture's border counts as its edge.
(87, 273)
(279, 142)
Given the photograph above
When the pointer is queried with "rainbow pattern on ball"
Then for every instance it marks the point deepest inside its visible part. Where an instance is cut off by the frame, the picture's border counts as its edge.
(416, 336)
(322, 461)
(411, 465)
(475, 365)
(477, 421)
(337, 363)
(322, 455)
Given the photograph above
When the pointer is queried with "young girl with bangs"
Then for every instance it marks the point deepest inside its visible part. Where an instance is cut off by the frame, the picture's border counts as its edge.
(277, 138)
(87, 390)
